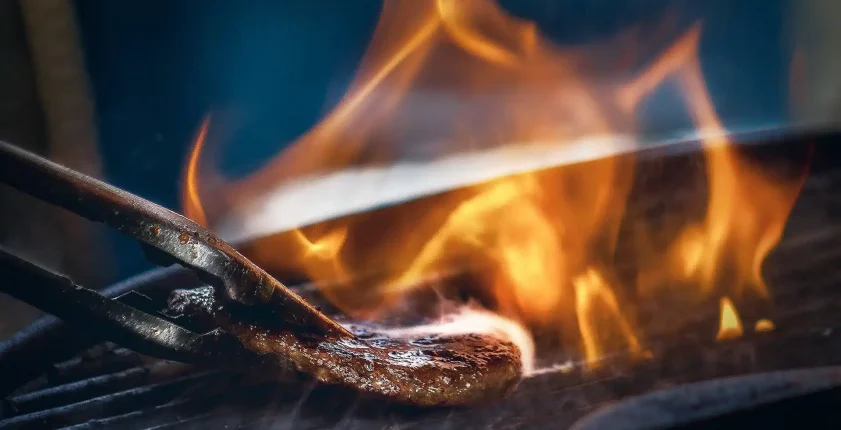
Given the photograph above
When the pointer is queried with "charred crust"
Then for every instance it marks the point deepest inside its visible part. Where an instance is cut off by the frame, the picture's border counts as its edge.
(426, 371)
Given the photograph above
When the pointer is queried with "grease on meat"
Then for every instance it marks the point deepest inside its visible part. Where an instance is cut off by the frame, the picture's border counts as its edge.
(426, 371)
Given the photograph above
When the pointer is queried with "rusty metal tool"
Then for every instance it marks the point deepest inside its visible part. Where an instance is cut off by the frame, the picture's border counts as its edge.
(166, 236)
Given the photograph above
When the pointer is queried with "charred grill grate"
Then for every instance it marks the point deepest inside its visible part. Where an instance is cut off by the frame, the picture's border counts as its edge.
(109, 387)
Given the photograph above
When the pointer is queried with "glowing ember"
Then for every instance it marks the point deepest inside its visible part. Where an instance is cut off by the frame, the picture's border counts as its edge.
(763, 326)
(513, 105)
(730, 326)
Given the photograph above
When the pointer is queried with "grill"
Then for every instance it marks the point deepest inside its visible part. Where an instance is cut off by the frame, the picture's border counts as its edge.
(54, 376)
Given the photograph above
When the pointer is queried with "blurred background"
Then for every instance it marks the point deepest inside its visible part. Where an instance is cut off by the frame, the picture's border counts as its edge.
(118, 89)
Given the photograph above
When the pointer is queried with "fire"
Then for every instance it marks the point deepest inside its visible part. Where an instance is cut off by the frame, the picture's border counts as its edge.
(323, 250)
(591, 290)
(522, 247)
(193, 208)
(730, 326)
(763, 326)
(543, 240)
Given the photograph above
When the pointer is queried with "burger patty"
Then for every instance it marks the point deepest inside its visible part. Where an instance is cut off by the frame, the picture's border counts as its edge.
(433, 370)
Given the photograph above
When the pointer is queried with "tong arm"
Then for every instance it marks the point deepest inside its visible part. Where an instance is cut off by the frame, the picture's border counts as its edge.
(167, 232)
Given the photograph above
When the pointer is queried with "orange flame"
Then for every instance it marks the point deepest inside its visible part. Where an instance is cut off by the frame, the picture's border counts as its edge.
(730, 326)
(545, 239)
(747, 210)
(764, 326)
(322, 255)
(193, 208)
(589, 288)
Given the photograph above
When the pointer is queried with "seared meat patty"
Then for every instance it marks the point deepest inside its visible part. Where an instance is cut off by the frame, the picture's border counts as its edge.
(426, 371)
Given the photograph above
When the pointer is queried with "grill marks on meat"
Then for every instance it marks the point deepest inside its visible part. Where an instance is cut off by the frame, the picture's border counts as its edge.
(428, 371)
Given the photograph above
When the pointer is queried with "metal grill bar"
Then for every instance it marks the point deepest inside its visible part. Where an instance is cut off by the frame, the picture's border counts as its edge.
(119, 403)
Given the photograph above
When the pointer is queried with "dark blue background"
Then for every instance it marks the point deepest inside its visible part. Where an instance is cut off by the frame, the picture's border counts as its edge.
(158, 66)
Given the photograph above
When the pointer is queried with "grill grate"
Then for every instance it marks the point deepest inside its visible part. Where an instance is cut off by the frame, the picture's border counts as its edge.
(110, 387)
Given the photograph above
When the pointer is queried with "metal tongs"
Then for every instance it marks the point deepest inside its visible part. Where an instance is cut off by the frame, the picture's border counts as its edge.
(167, 238)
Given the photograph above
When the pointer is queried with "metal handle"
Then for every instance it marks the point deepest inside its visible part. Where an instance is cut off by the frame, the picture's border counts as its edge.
(167, 233)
